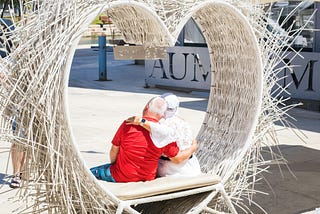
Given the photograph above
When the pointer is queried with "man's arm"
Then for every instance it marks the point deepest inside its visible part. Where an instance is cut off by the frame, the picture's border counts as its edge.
(185, 154)
(115, 143)
(114, 153)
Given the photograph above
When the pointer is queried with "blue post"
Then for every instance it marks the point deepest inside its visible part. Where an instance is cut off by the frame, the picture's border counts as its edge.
(102, 58)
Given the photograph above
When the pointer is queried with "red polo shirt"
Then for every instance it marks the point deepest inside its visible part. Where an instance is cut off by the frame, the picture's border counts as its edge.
(138, 157)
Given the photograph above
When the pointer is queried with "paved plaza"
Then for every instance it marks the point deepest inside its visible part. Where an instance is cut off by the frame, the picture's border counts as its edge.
(97, 108)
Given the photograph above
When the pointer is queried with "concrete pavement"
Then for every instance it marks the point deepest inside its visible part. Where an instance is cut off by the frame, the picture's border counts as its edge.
(97, 108)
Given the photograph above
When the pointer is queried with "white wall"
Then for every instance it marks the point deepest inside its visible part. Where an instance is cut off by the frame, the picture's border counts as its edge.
(303, 80)
(184, 67)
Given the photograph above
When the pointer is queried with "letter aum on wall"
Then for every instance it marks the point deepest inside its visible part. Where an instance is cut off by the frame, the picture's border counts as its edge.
(184, 67)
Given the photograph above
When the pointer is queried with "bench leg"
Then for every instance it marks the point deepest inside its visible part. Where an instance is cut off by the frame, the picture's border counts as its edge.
(210, 210)
(203, 205)
(120, 208)
(227, 199)
(125, 206)
(200, 207)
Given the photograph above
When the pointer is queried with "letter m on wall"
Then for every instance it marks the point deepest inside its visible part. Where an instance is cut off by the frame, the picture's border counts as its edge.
(307, 70)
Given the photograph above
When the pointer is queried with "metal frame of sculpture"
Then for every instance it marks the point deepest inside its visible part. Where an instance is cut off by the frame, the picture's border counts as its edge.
(240, 113)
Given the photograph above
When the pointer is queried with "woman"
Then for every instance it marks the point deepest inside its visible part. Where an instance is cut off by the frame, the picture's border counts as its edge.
(172, 129)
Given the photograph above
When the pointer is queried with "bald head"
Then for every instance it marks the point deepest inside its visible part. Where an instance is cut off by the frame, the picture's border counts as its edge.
(155, 108)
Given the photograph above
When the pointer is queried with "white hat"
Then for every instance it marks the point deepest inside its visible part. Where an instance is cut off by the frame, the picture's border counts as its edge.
(172, 102)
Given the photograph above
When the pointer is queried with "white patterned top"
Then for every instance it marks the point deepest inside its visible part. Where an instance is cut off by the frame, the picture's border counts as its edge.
(175, 129)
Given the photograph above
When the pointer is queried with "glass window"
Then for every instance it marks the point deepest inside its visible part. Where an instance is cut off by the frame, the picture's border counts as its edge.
(301, 17)
(191, 35)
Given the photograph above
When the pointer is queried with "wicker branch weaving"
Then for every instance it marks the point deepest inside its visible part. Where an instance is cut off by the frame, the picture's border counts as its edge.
(240, 113)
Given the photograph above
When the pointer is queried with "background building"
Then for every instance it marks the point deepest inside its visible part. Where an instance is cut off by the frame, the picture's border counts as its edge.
(187, 66)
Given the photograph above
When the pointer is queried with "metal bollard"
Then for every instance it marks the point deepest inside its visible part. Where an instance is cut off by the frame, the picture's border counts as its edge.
(102, 58)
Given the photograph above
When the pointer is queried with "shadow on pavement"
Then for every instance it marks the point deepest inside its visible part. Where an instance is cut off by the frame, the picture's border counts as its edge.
(4, 179)
(128, 77)
(304, 120)
(294, 192)
(92, 152)
(124, 76)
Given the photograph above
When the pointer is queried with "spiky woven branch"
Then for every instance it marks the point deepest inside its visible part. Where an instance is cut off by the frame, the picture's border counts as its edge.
(240, 115)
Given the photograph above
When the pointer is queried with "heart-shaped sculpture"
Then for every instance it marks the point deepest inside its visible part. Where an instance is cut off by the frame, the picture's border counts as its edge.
(45, 42)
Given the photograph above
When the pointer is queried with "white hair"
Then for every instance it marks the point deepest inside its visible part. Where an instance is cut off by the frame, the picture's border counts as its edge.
(157, 105)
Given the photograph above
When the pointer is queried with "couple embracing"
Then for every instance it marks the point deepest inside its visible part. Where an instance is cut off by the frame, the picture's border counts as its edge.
(160, 143)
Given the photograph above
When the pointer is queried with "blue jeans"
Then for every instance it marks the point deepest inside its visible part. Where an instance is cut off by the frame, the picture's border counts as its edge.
(103, 173)
(14, 127)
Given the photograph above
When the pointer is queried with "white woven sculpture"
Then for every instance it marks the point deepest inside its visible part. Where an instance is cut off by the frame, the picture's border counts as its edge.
(240, 111)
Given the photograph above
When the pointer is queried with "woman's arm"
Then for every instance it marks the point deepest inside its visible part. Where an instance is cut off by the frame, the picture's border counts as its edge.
(185, 154)
(135, 120)
(160, 133)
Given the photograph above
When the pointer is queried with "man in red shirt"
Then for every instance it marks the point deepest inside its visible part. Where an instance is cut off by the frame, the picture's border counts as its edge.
(133, 155)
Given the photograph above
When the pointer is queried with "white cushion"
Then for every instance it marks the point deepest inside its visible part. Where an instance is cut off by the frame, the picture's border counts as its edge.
(134, 190)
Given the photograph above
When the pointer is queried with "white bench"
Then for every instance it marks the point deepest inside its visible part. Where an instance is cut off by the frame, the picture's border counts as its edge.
(166, 188)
